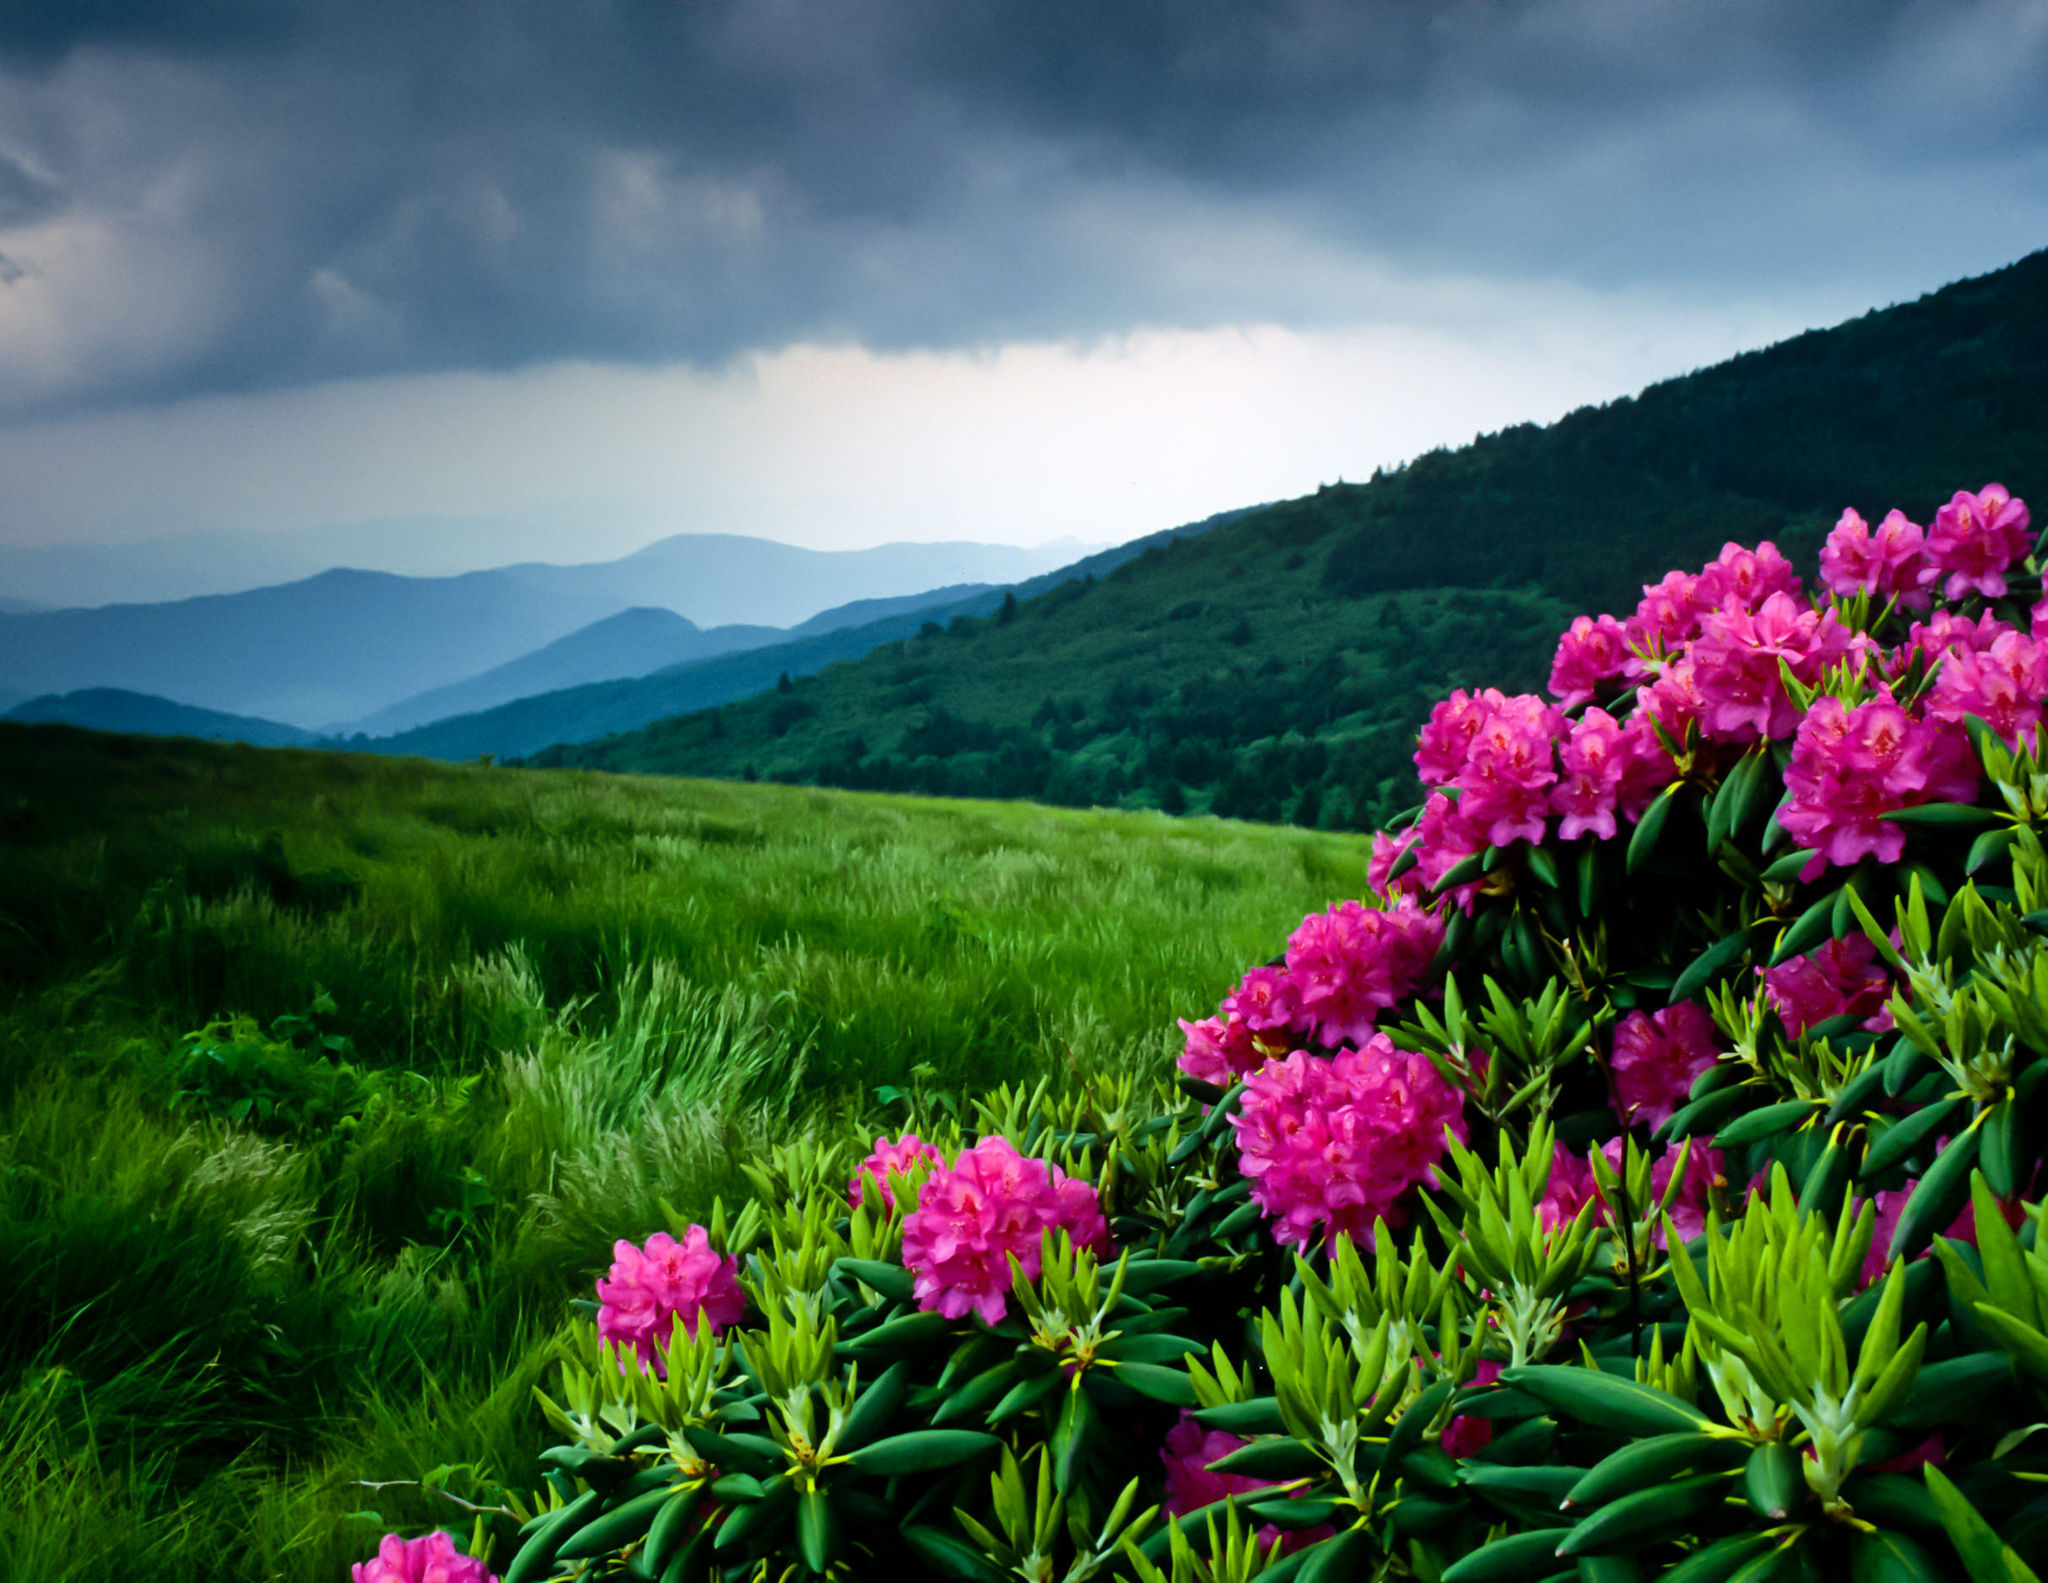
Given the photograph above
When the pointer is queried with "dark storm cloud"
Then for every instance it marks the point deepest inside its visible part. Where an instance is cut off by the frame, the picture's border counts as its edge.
(234, 194)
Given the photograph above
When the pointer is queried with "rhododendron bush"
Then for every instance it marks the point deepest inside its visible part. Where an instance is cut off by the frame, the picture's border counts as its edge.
(1640, 1176)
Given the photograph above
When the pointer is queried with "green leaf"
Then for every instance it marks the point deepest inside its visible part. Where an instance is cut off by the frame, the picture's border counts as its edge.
(1887, 1557)
(1903, 1139)
(1937, 1200)
(1945, 816)
(1985, 1556)
(1812, 927)
(1171, 1386)
(920, 1451)
(952, 1557)
(1618, 1405)
(1642, 846)
(1710, 964)
(817, 1530)
(1767, 1122)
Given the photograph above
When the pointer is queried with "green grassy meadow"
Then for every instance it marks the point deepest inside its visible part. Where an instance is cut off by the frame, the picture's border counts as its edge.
(458, 1028)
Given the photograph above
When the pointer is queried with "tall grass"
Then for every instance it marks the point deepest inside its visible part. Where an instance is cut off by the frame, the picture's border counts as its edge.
(244, 1345)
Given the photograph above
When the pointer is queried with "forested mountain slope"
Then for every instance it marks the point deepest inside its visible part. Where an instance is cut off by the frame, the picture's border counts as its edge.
(1277, 666)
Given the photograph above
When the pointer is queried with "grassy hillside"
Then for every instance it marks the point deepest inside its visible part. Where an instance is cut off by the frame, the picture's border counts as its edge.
(473, 1024)
(1277, 667)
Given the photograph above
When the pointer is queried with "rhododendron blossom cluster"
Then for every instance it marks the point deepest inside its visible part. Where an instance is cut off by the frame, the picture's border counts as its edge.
(649, 1289)
(1844, 978)
(905, 1156)
(1337, 1141)
(990, 1205)
(431, 1559)
(1656, 1057)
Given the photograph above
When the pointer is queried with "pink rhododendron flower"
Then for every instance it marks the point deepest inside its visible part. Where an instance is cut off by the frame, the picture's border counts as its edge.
(432, 1559)
(1266, 1000)
(1850, 767)
(1388, 848)
(1946, 632)
(1609, 769)
(904, 1156)
(1220, 1050)
(1891, 563)
(1890, 1206)
(649, 1289)
(1656, 1058)
(1976, 537)
(990, 1205)
(1444, 838)
(1844, 978)
(1465, 1435)
(1446, 739)
(1190, 1486)
(1668, 615)
(1339, 1141)
(1735, 664)
(1569, 1190)
(1594, 649)
(2002, 684)
(1673, 700)
(1349, 964)
(1740, 579)
(1510, 767)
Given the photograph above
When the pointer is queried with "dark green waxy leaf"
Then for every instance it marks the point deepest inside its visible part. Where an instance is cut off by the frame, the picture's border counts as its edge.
(1937, 1200)
(1071, 1439)
(1542, 867)
(1889, 1557)
(1620, 1405)
(536, 1557)
(1431, 1467)
(1463, 872)
(1281, 1457)
(1414, 1420)
(920, 1451)
(670, 1527)
(1339, 1558)
(1541, 1489)
(1957, 1391)
(1589, 880)
(1988, 848)
(1786, 868)
(1858, 1094)
(907, 1334)
(1893, 1500)
(732, 1488)
(817, 1530)
(2002, 1153)
(1642, 846)
(1767, 1121)
(1809, 931)
(979, 1394)
(1945, 816)
(1025, 1395)
(891, 1280)
(1646, 1517)
(622, 1525)
(875, 1406)
(1162, 1384)
(1143, 1348)
(1924, 1289)
(952, 1557)
(1703, 1115)
(1260, 1416)
(1656, 1460)
(1827, 1180)
(735, 1453)
(1294, 1514)
(1772, 1481)
(1420, 1513)
(1722, 1559)
(1513, 1559)
(1902, 1140)
(1528, 1441)
(1142, 1277)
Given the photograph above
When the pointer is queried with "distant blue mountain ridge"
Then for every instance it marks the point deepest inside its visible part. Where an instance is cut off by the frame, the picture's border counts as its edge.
(337, 649)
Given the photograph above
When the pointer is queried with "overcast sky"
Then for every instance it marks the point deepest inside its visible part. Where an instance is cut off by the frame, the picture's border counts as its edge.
(443, 282)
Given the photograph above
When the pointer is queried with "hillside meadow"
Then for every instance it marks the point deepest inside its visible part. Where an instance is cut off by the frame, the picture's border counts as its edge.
(326, 1082)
